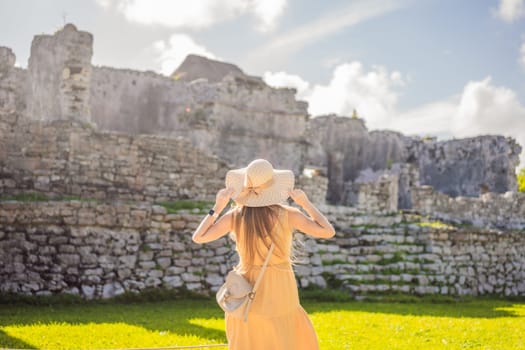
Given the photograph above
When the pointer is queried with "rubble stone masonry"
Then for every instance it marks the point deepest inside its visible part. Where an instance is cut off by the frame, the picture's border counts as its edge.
(98, 250)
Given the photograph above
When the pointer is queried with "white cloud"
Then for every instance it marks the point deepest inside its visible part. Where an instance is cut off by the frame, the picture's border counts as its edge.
(430, 119)
(283, 45)
(268, 12)
(371, 93)
(282, 79)
(480, 108)
(510, 10)
(485, 108)
(170, 54)
(103, 3)
(196, 14)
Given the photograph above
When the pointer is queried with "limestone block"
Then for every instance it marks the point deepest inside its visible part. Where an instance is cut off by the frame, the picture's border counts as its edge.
(164, 262)
(194, 286)
(68, 259)
(174, 270)
(128, 261)
(317, 270)
(147, 265)
(88, 291)
(112, 289)
(66, 248)
(301, 270)
(214, 279)
(155, 273)
(182, 262)
(189, 277)
(318, 281)
(146, 255)
(55, 240)
(124, 273)
(173, 281)
(165, 253)
(152, 281)
(178, 224)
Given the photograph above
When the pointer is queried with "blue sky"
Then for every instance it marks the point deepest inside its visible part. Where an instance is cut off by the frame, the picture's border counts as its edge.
(450, 68)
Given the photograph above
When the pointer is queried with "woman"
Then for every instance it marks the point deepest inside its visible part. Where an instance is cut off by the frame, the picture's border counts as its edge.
(276, 320)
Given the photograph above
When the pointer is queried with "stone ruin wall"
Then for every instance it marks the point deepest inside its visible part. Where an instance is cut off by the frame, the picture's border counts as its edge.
(504, 211)
(55, 146)
(208, 114)
(468, 167)
(12, 80)
(98, 250)
(65, 158)
(59, 74)
(274, 124)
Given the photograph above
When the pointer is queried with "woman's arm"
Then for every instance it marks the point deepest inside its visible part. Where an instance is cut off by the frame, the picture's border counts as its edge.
(315, 224)
(208, 229)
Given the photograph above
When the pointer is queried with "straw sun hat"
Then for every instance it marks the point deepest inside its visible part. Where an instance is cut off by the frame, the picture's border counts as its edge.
(259, 184)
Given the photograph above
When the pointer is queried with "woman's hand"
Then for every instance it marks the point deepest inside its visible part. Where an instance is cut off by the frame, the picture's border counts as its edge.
(223, 198)
(299, 197)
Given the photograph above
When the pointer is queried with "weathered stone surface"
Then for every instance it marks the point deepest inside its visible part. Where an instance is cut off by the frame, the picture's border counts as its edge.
(217, 116)
(344, 147)
(457, 167)
(466, 167)
(112, 289)
(60, 72)
(490, 209)
(197, 67)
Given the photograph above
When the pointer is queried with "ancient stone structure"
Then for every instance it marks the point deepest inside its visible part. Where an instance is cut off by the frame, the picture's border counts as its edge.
(489, 210)
(457, 167)
(314, 185)
(197, 67)
(69, 158)
(59, 74)
(405, 174)
(379, 196)
(99, 250)
(121, 140)
(11, 81)
(236, 117)
(466, 167)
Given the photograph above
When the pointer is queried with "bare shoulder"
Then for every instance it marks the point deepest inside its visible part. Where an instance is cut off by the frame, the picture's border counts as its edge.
(290, 209)
(294, 214)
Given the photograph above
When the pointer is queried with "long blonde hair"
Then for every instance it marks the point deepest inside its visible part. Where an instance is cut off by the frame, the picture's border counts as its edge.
(258, 223)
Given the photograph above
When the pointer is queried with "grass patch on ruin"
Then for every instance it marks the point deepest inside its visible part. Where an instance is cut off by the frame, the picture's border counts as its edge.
(521, 180)
(395, 258)
(413, 322)
(183, 205)
(42, 197)
(435, 224)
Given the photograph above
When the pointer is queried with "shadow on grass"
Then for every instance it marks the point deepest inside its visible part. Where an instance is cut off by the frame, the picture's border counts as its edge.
(162, 316)
(158, 313)
(7, 341)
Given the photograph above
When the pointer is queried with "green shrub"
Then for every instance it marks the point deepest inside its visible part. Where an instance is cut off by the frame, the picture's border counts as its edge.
(521, 180)
(186, 204)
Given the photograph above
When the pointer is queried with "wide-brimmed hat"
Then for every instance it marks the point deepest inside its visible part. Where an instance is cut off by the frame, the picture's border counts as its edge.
(259, 184)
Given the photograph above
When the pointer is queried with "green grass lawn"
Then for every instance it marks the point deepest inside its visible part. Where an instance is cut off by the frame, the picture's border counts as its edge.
(472, 324)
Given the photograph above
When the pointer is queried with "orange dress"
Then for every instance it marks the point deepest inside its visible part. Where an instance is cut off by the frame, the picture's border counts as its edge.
(276, 320)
